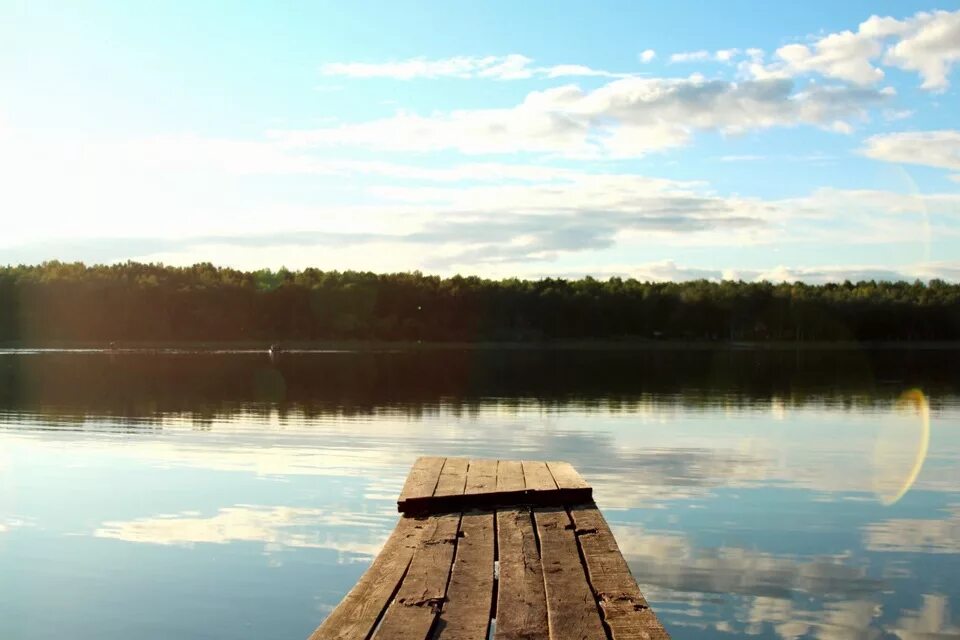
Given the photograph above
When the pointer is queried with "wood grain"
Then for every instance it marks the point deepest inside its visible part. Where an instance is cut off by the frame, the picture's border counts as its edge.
(466, 614)
(453, 477)
(537, 476)
(624, 608)
(418, 601)
(521, 603)
(423, 478)
(571, 607)
(562, 576)
(481, 477)
(566, 476)
(510, 476)
(358, 612)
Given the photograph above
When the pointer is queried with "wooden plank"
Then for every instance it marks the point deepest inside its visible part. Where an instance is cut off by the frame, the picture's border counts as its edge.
(423, 478)
(521, 603)
(510, 476)
(571, 607)
(486, 487)
(566, 476)
(494, 500)
(624, 608)
(481, 477)
(453, 477)
(356, 615)
(537, 476)
(466, 614)
(418, 601)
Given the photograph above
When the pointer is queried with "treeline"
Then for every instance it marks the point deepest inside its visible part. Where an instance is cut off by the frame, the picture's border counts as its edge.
(60, 302)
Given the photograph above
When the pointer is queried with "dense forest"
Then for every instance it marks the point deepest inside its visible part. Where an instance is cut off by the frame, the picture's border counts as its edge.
(58, 302)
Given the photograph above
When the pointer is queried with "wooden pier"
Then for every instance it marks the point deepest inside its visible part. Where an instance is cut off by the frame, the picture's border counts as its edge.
(495, 548)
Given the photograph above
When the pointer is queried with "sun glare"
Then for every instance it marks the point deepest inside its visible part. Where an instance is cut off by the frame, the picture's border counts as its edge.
(901, 447)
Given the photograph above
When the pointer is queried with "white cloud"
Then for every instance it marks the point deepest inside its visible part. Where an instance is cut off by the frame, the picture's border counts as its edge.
(491, 218)
(671, 271)
(844, 55)
(456, 67)
(931, 148)
(624, 118)
(927, 43)
(725, 55)
(821, 274)
(578, 70)
(930, 45)
(702, 55)
(509, 67)
(691, 56)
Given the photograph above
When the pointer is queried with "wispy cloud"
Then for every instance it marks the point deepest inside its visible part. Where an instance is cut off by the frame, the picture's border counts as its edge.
(931, 148)
(691, 56)
(624, 118)
(702, 55)
(509, 67)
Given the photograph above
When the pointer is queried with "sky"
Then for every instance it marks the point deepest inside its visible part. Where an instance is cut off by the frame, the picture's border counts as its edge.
(815, 141)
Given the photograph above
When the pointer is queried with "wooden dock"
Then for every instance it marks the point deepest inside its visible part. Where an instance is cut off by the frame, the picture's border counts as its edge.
(515, 548)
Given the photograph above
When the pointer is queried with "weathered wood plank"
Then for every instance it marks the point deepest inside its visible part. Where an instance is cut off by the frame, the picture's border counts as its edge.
(486, 487)
(466, 614)
(453, 477)
(510, 476)
(566, 476)
(412, 612)
(423, 478)
(521, 603)
(571, 607)
(358, 612)
(537, 476)
(481, 477)
(624, 608)
(570, 582)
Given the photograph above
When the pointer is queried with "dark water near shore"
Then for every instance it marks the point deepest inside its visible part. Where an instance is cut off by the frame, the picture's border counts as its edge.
(769, 494)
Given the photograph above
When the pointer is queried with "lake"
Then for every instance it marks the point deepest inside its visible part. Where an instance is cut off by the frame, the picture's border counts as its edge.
(761, 493)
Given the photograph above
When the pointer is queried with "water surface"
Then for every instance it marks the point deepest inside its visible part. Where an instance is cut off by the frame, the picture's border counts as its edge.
(762, 494)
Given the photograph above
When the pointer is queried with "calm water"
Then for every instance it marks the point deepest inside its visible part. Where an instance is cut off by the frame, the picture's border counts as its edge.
(762, 494)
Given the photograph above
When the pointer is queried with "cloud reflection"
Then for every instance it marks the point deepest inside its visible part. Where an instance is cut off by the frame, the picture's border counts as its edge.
(930, 622)
(669, 560)
(351, 534)
(915, 535)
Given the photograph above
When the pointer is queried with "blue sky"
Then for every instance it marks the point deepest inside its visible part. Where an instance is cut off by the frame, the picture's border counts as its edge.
(815, 141)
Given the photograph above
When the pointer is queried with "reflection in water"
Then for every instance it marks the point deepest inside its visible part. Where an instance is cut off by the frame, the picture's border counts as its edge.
(930, 622)
(766, 494)
(274, 527)
(915, 535)
(671, 561)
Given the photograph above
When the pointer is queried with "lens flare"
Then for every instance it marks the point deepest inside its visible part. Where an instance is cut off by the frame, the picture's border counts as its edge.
(902, 448)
